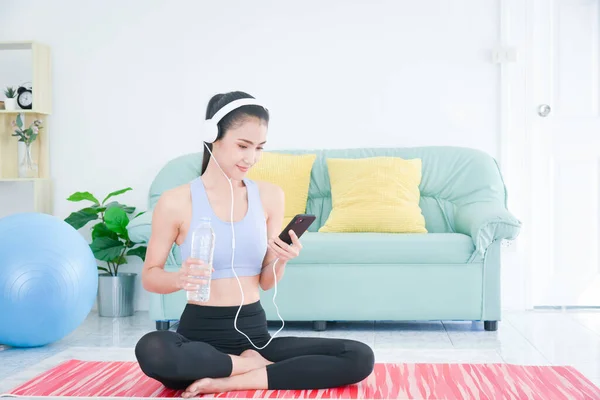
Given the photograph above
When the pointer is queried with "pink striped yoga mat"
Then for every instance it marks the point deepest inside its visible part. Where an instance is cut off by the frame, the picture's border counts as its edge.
(75, 378)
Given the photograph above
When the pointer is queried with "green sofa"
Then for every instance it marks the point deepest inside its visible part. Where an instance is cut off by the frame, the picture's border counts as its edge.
(450, 273)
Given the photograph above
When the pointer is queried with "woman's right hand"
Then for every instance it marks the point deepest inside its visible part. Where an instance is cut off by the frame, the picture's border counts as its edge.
(195, 267)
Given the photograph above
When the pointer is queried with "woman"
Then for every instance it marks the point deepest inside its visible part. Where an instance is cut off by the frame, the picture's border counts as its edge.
(207, 354)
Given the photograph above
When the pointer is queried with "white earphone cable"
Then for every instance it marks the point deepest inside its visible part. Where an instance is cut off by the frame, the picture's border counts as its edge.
(236, 276)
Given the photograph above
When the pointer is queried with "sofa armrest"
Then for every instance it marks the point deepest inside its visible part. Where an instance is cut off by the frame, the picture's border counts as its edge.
(486, 222)
(140, 229)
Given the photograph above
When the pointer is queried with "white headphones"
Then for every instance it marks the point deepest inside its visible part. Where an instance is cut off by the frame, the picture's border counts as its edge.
(211, 129)
(210, 132)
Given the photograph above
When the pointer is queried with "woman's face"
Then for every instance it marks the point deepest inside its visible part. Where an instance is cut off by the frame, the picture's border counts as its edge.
(241, 147)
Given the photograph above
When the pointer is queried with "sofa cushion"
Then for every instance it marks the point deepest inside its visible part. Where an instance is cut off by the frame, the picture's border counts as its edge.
(384, 248)
(291, 173)
(375, 194)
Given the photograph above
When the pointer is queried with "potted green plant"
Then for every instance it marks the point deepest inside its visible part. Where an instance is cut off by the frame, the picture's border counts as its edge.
(10, 103)
(111, 246)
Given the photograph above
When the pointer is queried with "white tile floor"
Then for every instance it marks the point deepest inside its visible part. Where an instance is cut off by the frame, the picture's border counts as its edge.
(530, 338)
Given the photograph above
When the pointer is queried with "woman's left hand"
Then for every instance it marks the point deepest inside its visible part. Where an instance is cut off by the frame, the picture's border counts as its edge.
(284, 251)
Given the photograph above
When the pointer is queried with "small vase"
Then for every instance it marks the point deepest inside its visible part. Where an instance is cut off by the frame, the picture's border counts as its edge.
(28, 168)
(10, 104)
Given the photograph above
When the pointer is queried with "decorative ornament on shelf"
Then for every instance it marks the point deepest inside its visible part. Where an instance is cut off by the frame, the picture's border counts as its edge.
(25, 97)
(10, 103)
(28, 168)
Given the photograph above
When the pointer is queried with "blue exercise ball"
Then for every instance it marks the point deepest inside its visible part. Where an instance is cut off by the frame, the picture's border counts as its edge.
(48, 279)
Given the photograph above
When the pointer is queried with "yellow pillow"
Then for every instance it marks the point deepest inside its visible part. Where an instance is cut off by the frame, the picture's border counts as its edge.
(291, 172)
(375, 194)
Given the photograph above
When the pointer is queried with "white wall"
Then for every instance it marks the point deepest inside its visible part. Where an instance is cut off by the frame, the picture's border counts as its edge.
(132, 79)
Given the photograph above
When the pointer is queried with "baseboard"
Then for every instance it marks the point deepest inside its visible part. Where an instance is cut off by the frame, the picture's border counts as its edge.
(595, 308)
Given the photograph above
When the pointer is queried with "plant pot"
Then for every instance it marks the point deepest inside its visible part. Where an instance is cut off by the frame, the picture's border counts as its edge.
(115, 294)
(10, 103)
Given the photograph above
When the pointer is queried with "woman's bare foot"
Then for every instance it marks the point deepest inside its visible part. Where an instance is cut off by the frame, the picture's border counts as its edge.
(256, 355)
(253, 380)
(247, 361)
(204, 386)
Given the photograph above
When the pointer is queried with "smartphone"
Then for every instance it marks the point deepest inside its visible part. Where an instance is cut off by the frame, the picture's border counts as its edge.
(299, 224)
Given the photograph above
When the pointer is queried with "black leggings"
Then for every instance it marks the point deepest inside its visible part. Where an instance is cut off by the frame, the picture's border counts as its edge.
(205, 337)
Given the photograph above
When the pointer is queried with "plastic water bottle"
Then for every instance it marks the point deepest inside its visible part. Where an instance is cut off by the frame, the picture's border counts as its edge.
(203, 245)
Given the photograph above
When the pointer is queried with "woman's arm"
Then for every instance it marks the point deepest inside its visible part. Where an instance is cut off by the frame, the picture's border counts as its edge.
(277, 250)
(275, 207)
(165, 229)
